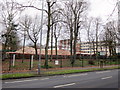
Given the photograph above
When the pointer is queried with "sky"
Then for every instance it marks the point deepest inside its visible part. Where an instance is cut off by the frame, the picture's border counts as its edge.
(98, 8)
(103, 8)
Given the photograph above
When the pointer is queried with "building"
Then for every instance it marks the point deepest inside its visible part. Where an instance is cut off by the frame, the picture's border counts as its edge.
(0, 51)
(90, 48)
(118, 48)
(65, 45)
(29, 51)
(87, 47)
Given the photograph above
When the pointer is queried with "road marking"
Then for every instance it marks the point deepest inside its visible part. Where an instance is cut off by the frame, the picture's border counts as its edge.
(76, 75)
(106, 77)
(26, 80)
(22, 81)
(117, 70)
(103, 72)
(44, 78)
(64, 85)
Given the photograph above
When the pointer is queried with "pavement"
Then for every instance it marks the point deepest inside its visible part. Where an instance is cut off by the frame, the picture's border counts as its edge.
(65, 68)
(99, 79)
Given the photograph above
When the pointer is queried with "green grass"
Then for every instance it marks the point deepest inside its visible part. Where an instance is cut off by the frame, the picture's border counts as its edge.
(65, 63)
(60, 72)
(64, 72)
(18, 75)
(78, 71)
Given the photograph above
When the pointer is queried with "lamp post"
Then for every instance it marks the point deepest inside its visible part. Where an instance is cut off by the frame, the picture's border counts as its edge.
(39, 66)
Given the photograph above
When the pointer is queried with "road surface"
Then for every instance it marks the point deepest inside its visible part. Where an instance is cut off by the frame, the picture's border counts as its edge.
(98, 79)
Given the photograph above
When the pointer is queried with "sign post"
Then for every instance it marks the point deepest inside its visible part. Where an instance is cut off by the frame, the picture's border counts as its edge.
(32, 61)
(13, 59)
(56, 62)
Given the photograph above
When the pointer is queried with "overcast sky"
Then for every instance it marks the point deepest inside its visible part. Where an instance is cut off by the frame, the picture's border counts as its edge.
(98, 8)
(103, 8)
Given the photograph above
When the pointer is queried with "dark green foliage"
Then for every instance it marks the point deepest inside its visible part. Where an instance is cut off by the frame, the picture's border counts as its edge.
(10, 38)
(45, 66)
(91, 62)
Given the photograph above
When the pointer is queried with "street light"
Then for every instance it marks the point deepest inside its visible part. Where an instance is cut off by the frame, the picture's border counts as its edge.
(39, 66)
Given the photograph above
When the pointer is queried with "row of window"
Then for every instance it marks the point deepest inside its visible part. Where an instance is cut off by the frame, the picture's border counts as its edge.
(93, 51)
(88, 49)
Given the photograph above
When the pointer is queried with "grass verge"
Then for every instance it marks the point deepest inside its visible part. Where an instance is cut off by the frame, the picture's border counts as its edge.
(60, 72)
(78, 71)
(17, 75)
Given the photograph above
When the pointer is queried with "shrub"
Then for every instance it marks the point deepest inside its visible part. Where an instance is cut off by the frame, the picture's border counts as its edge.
(91, 62)
(45, 67)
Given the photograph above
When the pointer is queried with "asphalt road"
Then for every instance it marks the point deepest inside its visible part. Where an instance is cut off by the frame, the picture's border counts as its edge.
(98, 79)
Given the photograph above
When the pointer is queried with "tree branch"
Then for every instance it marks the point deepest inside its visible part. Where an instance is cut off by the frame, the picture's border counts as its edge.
(32, 7)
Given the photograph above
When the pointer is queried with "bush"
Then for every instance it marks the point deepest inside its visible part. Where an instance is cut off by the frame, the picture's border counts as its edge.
(45, 67)
(91, 62)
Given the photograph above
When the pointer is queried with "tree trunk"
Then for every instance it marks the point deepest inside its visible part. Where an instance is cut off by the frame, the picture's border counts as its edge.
(97, 43)
(47, 41)
(56, 49)
(51, 44)
(71, 46)
(36, 53)
(5, 46)
(23, 48)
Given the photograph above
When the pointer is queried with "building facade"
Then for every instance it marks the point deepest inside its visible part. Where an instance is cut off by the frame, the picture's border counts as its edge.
(65, 45)
(89, 48)
(92, 48)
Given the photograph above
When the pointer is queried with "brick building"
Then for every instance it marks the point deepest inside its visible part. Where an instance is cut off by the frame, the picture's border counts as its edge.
(65, 45)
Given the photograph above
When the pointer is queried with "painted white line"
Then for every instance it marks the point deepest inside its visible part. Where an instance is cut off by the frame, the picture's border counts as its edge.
(64, 85)
(106, 77)
(102, 72)
(44, 78)
(22, 81)
(76, 75)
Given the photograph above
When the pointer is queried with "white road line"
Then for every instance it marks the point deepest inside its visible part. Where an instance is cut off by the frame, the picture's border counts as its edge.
(64, 85)
(44, 78)
(102, 72)
(106, 77)
(22, 81)
(26, 80)
(76, 75)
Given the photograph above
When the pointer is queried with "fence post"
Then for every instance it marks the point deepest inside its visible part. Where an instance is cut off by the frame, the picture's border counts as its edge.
(13, 59)
(10, 61)
(32, 61)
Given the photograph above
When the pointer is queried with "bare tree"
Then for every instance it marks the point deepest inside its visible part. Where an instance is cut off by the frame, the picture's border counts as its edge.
(57, 28)
(32, 27)
(88, 26)
(110, 36)
(118, 26)
(24, 25)
(9, 16)
(73, 18)
(97, 29)
(49, 13)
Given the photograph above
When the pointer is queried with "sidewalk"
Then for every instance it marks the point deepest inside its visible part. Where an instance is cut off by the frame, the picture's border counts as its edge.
(65, 68)
(78, 68)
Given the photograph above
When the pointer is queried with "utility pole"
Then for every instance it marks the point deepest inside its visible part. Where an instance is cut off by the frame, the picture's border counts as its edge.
(39, 66)
(119, 19)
